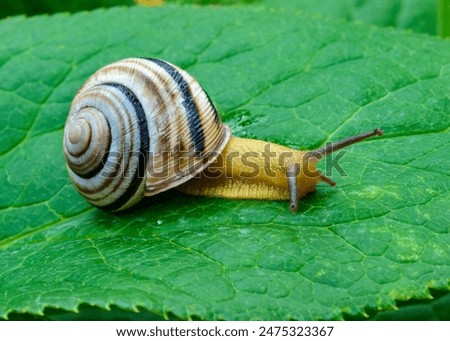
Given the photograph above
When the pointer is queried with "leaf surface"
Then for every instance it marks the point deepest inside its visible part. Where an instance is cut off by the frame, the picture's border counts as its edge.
(380, 236)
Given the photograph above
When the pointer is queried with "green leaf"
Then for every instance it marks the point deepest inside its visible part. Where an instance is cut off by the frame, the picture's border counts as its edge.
(444, 18)
(412, 310)
(379, 237)
(420, 310)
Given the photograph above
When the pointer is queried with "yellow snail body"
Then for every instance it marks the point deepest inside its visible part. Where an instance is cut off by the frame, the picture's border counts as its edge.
(139, 126)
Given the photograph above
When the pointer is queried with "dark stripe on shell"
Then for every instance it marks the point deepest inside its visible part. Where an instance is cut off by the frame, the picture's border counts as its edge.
(190, 107)
(139, 174)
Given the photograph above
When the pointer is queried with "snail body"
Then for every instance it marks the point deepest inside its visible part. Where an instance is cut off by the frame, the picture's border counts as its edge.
(249, 168)
(254, 169)
(138, 127)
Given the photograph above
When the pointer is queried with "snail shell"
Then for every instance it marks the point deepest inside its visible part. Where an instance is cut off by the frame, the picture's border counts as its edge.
(139, 127)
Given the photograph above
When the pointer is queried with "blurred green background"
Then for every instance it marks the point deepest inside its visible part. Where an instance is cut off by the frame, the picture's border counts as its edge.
(33, 7)
(425, 16)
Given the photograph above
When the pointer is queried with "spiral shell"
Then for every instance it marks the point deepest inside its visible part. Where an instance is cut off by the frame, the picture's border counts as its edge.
(139, 127)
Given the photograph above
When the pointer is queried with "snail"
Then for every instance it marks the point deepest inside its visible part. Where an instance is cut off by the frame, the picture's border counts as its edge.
(140, 126)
